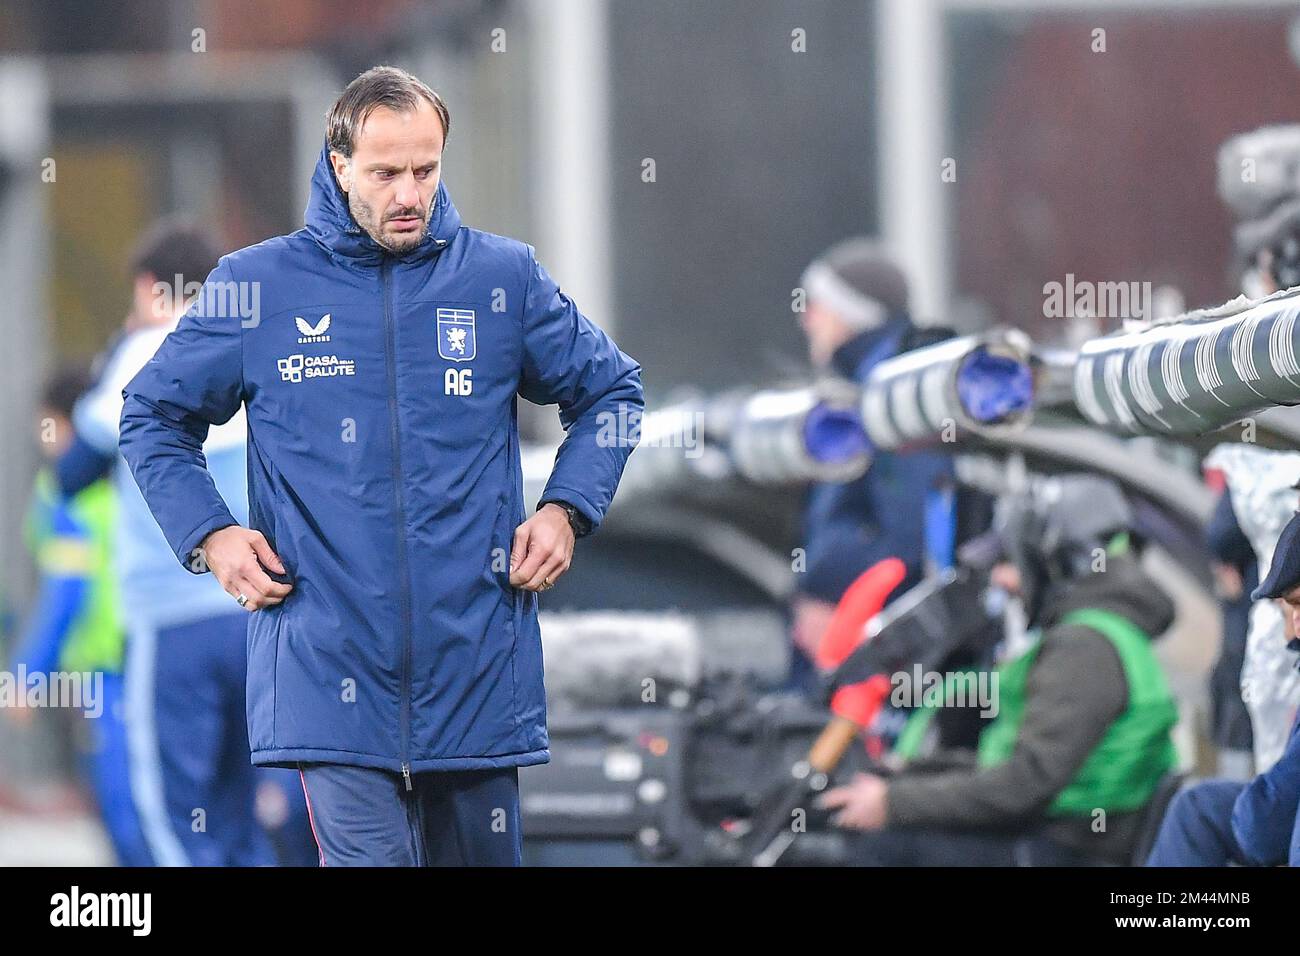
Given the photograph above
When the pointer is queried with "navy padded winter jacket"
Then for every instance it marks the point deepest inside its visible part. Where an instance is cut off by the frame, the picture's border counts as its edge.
(383, 468)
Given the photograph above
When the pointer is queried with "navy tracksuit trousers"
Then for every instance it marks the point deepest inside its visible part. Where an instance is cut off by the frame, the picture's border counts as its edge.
(194, 789)
(191, 779)
(366, 817)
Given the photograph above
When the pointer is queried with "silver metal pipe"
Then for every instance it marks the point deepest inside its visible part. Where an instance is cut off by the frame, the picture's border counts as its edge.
(797, 436)
(1196, 372)
(978, 383)
(769, 438)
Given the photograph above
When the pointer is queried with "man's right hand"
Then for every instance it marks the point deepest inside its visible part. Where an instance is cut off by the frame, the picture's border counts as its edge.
(233, 555)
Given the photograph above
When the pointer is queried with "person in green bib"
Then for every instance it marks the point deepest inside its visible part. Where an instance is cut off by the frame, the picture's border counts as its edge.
(1080, 740)
(74, 625)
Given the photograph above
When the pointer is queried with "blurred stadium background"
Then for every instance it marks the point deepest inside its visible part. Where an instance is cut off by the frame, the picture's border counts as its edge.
(116, 112)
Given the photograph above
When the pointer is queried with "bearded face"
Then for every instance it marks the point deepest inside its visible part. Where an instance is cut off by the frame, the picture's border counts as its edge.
(391, 179)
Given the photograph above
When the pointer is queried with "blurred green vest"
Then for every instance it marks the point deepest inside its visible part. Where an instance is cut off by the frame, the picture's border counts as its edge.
(1124, 769)
(96, 638)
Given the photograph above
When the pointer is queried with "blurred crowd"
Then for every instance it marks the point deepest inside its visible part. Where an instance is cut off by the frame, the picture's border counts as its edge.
(1077, 766)
(166, 755)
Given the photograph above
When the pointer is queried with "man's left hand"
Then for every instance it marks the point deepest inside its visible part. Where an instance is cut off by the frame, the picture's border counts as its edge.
(542, 550)
(864, 801)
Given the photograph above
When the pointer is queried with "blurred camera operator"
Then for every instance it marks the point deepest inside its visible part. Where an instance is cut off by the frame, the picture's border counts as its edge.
(1081, 740)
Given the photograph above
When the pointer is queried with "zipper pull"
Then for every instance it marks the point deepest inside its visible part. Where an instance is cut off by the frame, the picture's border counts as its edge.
(406, 775)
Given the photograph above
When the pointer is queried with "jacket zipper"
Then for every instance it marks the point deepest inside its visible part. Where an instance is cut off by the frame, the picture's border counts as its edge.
(390, 349)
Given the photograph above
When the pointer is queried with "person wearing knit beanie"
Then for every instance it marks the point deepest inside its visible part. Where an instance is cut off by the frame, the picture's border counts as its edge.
(856, 315)
(852, 288)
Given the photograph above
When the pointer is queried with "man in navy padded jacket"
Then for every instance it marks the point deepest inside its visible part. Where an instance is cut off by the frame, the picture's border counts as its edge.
(394, 656)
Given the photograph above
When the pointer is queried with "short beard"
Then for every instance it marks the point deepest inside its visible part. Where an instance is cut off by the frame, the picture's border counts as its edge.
(367, 220)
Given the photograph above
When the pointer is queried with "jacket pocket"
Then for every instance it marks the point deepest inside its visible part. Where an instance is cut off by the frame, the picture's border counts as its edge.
(264, 638)
(517, 705)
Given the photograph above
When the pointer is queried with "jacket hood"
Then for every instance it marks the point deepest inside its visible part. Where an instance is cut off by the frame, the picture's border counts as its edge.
(1123, 588)
(330, 222)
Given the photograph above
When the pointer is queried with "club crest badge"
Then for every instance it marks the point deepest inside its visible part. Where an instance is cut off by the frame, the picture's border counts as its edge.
(456, 334)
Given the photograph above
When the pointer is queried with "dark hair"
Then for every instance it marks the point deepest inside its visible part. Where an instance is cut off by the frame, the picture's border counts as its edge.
(386, 86)
(68, 383)
(174, 248)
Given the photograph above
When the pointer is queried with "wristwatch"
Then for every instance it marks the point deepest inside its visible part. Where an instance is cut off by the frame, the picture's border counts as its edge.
(577, 520)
